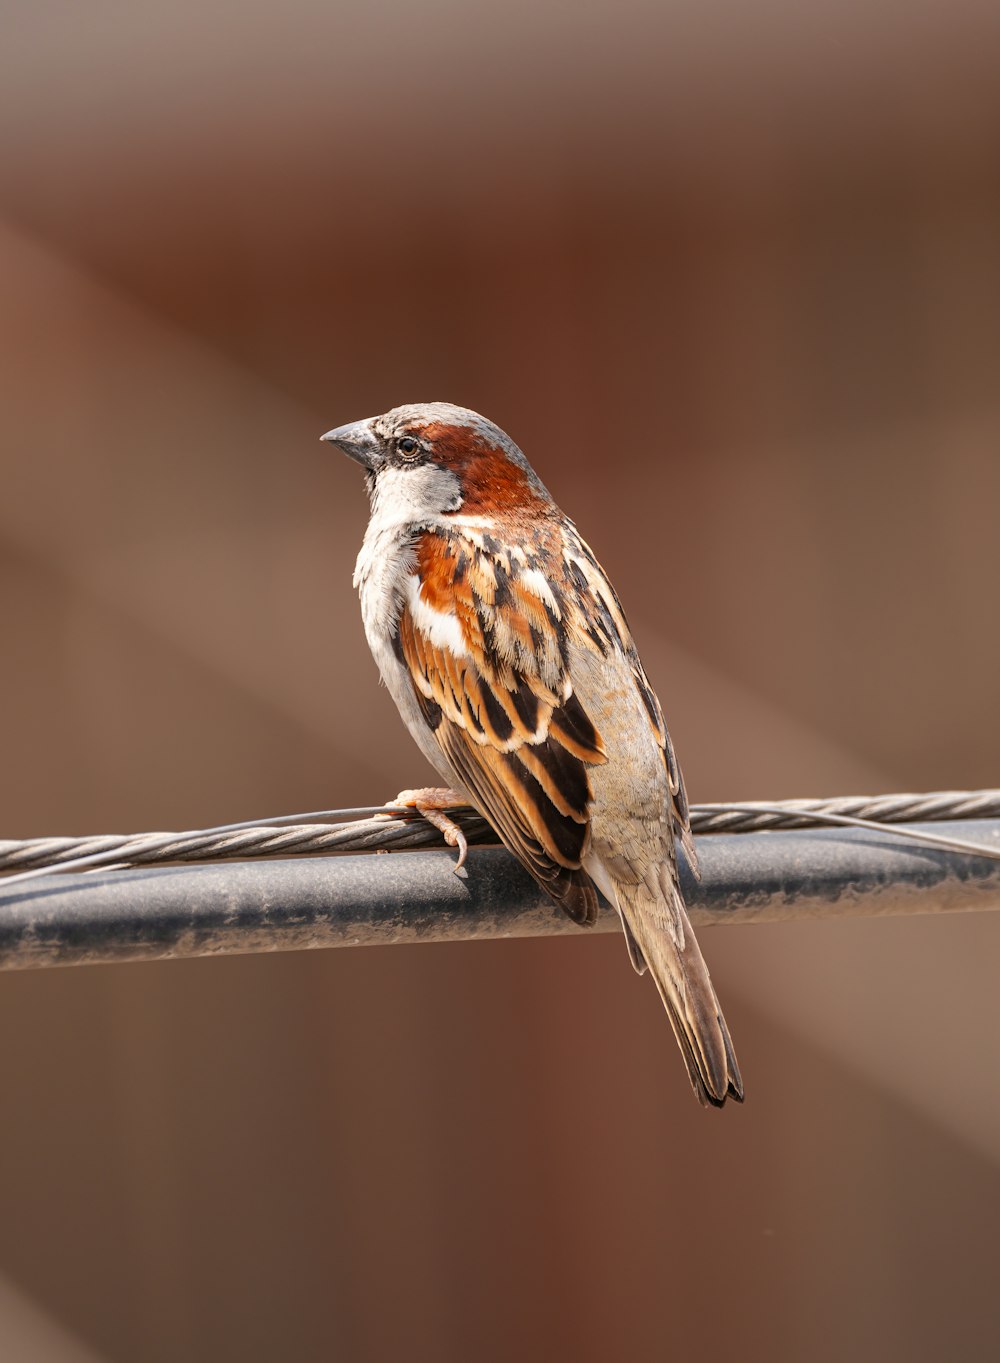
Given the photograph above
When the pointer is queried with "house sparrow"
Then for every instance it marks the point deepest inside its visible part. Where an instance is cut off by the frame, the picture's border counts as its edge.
(505, 648)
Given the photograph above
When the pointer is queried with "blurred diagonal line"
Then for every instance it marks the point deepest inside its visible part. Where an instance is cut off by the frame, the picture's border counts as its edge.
(32, 1335)
(179, 595)
(113, 556)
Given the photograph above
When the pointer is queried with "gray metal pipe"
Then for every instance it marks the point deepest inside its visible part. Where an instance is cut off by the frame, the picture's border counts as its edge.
(167, 912)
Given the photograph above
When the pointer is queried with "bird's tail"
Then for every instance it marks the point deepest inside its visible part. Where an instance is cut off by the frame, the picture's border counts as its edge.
(662, 936)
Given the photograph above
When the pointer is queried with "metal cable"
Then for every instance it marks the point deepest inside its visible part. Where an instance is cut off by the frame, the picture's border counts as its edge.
(753, 816)
(374, 829)
(169, 912)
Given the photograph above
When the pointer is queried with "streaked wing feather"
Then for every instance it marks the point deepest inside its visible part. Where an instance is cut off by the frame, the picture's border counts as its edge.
(489, 778)
(508, 721)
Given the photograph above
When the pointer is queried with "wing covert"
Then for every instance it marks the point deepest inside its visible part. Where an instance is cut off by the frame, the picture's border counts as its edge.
(479, 635)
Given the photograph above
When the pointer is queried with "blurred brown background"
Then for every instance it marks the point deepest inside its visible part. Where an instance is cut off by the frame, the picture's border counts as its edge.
(731, 276)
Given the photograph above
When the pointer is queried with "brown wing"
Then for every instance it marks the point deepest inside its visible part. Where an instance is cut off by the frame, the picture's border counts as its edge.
(505, 714)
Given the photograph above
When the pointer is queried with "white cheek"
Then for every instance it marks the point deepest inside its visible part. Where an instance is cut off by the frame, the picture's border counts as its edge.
(405, 495)
(441, 627)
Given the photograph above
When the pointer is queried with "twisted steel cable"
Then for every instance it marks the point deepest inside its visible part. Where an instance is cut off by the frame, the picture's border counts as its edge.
(382, 829)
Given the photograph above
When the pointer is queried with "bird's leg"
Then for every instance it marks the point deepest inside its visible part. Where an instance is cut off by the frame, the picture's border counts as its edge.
(431, 802)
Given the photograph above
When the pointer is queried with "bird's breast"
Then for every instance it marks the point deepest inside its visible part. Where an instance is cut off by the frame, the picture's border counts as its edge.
(386, 582)
(384, 564)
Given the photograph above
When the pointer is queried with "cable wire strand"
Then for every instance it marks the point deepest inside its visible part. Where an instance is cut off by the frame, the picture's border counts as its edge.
(370, 828)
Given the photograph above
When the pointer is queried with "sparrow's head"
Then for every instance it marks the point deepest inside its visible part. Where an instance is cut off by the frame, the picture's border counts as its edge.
(432, 459)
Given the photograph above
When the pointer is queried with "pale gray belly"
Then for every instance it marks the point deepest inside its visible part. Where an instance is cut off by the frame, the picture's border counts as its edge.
(630, 814)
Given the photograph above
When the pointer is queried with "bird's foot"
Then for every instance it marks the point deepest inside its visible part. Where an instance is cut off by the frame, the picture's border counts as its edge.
(431, 802)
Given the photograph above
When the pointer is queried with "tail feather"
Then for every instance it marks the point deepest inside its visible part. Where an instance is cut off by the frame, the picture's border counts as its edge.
(659, 926)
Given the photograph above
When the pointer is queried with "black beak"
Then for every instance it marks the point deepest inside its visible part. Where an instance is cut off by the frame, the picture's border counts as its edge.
(357, 442)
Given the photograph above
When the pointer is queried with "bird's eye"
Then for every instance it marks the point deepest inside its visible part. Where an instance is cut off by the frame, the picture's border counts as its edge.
(408, 446)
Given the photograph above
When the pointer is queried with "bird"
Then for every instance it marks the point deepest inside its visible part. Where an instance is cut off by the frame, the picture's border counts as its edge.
(506, 650)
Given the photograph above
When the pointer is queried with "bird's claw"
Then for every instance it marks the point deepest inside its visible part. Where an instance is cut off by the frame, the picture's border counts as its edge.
(431, 803)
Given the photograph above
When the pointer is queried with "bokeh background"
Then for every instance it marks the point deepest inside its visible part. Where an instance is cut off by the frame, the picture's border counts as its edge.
(730, 274)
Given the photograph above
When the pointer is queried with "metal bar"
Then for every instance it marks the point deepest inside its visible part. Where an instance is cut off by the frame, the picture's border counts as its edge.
(357, 900)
